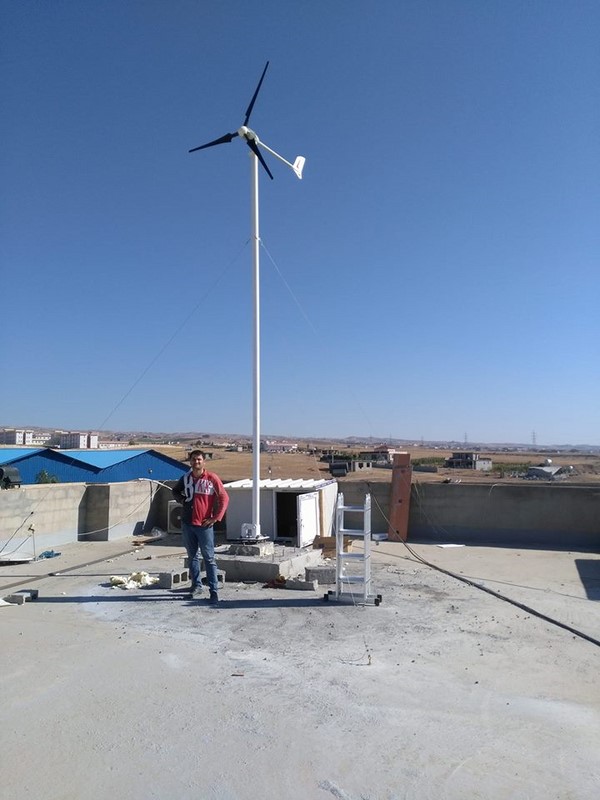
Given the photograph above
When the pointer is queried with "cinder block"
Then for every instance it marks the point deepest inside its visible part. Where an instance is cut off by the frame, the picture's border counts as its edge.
(28, 594)
(324, 575)
(220, 572)
(14, 599)
(220, 577)
(297, 583)
(171, 580)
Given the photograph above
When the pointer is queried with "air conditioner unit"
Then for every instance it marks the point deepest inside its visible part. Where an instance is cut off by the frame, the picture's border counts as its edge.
(174, 511)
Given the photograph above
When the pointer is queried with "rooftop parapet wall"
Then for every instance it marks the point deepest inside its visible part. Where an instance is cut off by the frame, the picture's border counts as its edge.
(55, 511)
(506, 514)
(529, 514)
(116, 510)
(354, 494)
(71, 512)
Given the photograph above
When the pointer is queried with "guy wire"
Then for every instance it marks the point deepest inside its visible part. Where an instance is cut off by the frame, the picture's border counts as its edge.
(175, 333)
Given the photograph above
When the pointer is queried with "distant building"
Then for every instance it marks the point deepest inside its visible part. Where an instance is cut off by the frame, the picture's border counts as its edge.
(92, 466)
(41, 439)
(25, 438)
(469, 461)
(16, 436)
(339, 469)
(78, 441)
(548, 472)
(358, 464)
(384, 453)
(279, 447)
(343, 467)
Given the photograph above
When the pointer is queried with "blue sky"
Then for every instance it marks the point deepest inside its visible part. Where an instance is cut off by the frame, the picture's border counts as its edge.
(434, 275)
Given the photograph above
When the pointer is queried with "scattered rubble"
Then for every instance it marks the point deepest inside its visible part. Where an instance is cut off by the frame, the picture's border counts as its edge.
(135, 581)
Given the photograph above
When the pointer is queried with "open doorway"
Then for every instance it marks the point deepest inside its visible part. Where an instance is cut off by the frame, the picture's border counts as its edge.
(297, 517)
(286, 517)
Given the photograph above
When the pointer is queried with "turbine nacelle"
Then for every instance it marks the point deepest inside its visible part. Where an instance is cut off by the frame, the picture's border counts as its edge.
(247, 134)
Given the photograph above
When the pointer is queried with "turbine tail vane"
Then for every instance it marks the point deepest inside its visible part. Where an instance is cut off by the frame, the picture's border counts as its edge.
(298, 166)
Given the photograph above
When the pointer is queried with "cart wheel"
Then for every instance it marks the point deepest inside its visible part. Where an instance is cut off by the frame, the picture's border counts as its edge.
(380, 598)
(326, 596)
(377, 600)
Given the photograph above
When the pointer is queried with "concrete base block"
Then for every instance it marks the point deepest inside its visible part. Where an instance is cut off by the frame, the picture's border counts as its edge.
(250, 569)
(253, 569)
(305, 586)
(325, 575)
(297, 564)
(172, 580)
(254, 549)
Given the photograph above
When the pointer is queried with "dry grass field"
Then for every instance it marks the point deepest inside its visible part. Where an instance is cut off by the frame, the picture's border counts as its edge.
(231, 466)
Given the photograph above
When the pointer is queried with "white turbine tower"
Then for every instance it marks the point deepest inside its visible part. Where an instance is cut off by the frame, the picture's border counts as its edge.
(251, 531)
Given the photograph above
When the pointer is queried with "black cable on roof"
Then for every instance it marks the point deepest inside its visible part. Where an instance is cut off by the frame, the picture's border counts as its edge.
(483, 588)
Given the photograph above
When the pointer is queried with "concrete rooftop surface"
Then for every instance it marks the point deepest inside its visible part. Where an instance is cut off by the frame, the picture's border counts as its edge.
(442, 692)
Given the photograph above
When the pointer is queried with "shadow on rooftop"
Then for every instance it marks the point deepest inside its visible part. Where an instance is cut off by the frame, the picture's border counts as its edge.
(225, 605)
(589, 575)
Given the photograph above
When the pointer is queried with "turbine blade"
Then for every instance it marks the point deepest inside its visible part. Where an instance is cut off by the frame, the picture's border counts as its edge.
(222, 140)
(251, 106)
(254, 147)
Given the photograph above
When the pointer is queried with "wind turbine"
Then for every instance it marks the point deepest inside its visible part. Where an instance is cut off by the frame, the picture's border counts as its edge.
(251, 531)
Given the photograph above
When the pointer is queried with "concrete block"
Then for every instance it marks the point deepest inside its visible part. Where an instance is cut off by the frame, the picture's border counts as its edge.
(28, 594)
(171, 580)
(297, 564)
(254, 549)
(252, 569)
(220, 577)
(249, 568)
(220, 572)
(298, 583)
(14, 599)
(322, 574)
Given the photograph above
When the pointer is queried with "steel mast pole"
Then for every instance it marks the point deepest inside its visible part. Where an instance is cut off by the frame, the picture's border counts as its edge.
(256, 350)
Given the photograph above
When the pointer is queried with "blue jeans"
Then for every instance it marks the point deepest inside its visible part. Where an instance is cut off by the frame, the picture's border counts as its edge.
(195, 538)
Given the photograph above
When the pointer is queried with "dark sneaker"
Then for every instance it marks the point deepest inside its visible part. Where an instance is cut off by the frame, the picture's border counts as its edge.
(196, 593)
(213, 599)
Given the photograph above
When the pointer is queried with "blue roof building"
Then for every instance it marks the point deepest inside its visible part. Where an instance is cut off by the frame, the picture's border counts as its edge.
(92, 466)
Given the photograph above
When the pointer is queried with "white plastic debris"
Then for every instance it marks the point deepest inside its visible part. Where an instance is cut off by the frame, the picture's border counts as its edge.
(135, 581)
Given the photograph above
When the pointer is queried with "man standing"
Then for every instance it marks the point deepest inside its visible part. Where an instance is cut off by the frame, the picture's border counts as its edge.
(204, 502)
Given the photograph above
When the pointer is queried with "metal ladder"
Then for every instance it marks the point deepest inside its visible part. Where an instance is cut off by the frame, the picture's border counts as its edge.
(353, 570)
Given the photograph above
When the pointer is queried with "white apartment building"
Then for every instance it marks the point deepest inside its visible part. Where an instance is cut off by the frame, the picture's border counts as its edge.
(16, 436)
(75, 440)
